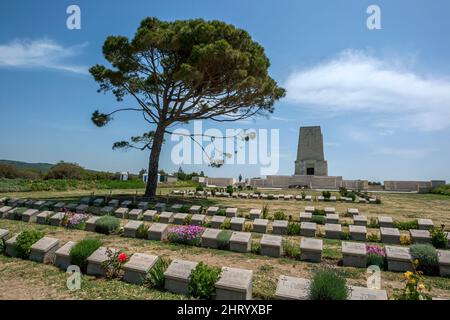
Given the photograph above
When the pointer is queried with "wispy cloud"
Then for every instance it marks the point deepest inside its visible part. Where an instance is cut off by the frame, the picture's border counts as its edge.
(41, 53)
(355, 82)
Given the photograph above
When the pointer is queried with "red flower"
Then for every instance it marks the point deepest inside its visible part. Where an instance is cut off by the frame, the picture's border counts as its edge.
(122, 257)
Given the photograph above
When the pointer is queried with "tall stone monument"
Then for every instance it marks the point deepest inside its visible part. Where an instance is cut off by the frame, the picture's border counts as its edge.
(310, 158)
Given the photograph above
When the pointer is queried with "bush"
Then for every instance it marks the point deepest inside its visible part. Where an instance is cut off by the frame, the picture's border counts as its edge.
(328, 284)
(202, 281)
(345, 235)
(439, 238)
(326, 194)
(373, 237)
(221, 212)
(82, 250)
(373, 223)
(319, 212)
(265, 211)
(427, 258)
(155, 276)
(223, 239)
(229, 190)
(226, 225)
(293, 228)
(256, 248)
(405, 239)
(24, 241)
(279, 215)
(141, 232)
(184, 209)
(406, 225)
(291, 250)
(318, 219)
(107, 225)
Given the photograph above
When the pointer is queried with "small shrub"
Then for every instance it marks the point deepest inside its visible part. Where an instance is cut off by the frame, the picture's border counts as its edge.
(82, 250)
(155, 276)
(113, 266)
(221, 212)
(17, 213)
(414, 287)
(439, 238)
(142, 231)
(373, 237)
(229, 190)
(373, 223)
(291, 250)
(226, 225)
(318, 219)
(24, 242)
(328, 284)
(427, 258)
(345, 235)
(406, 225)
(319, 212)
(256, 247)
(405, 240)
(223, 239)
(265, 211)
(293, 228)
(376, 256)
(279, 215)
(202, 281)
(326, 194)
(184, 209)
(199, 188)
(107, 225)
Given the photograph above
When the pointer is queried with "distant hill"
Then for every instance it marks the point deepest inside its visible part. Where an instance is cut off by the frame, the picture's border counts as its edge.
(42, 167)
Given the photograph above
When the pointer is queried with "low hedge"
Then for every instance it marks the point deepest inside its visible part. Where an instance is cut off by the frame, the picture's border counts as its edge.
(24, 241)
(82, 250)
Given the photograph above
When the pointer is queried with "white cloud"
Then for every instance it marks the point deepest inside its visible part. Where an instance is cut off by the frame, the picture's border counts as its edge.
(355, 82)
(41, 53)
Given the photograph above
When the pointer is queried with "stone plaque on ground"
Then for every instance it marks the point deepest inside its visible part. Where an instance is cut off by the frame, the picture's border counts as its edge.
(113, 203)
(198, 219)
(10, 246)
(38, 204)
(98, 202)
(135, 270)
(360, 220)
(354, 254)
(95, 261)
(3, 234)
(352, 212)
(444, 262)
(425, 224)
(255, 214)
(85, 200)
(398, 258)
(176, 207)
(4, 211)
(420, 236)
(234, 284)
(271, 245)
(209, 238)
(177, 276)
(126, 203)
(212, 211)
(160, 207)
(279, 227)
(158, 231)
(260, 225)
(237, 224)
(143, 205)
(332, 218)
(149, 215)
(330, 210)
(180, 218)
(292, 288)
(308, 229)
(107, 210)
(311, 249)
(309, 209)
(195, 209)
(121, 212)
(130, 229)
(240, 241)
(305, 216)
(333, 230)
(135, 214)
(30, 215)
(57, 218)
(72, 206)
(90, 223)
(231, 212)
(390, 235)
(357, 233)
(82, 208)
(44, 217)
(217, 221)
(62, 256)
(362, 293)
(386, 222)
(166, 217)
(44, 250)
(58, 206)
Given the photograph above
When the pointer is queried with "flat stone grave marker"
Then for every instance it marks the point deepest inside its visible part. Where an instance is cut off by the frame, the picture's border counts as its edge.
(158, 231)
(217, 221)
(260, 225)
(10, 246)
(255, 214)
(38, 204)
(72, 206)
(332, 218)
(95, 261)
(57, 218)
(333, 198)
(331, 210)
(113, 203)
(136, 269)
(62, 256)
(305, 216)
(58, 206)
(237, 224)
(160, 207)
(3, 234)
(308, 198)
(44, 217)
(390, 235)
(234, 284)
(279, 226)
(198, 219)
(420, 236)
(354, 254)
(20, 202)
(309, 209)
(209, 238)
(48, 205)
(98, 202)
(130, 229)
(30, 215)
(14, 214)
(264, 196)
(107, 210)
(386, 222)
(398, 258)
(352, 212)
(308, 229)
(121, 212)
(44, 250)
(271, 245)
(254, 196)
(311, 249)
(444, 262)
(212, 211)
(240, 241)
(12, 202)
(176, 207)
(90, 223)
(29, 203)
(358, 233)
(320, 198)
(292, 288)
(135, 214)
(82, 208)
(360, 220)
(180, 218)
(149, 215)
(166, 217)
(298, 197)
(231, 212)
(333, 230)
(85, 200)
(425, 224)
(4, 211)
(143, 205)
(177, 276)
(195, 210)
(126, 203)
(362, 293)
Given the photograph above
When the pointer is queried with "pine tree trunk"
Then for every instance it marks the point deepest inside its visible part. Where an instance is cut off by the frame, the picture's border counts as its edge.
(152, 182)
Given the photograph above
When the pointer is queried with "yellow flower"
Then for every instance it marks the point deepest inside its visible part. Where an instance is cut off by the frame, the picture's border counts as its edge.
(408, 274)
(421, 287)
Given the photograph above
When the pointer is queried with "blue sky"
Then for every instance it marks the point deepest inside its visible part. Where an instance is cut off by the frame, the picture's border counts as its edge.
(382, 97)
